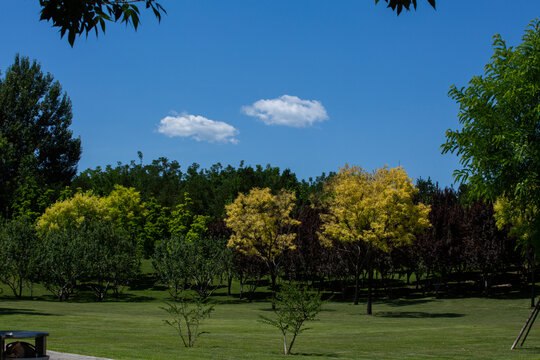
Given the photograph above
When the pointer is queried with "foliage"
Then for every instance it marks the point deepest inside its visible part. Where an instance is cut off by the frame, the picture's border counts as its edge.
(262, 225)
(198, 262)
(127, 212)
(184, 222)
(82, 16)
(187, 315)
(110, 257)
(161, 179)
(294, 306)
(375, 210)
(441, 248)
(209, 189)
(37, 152)
(72, 212)
(62, 264)
(400, 4)
(170, 264)
(19, 251)
(156, 226)
(519, 219)
(208, 260)
(488, 248)
(499, 143)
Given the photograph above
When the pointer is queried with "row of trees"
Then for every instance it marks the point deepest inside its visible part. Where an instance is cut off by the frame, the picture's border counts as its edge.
(352, 227)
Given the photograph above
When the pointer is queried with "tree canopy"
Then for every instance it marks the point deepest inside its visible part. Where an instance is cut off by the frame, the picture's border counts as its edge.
(262, 225)
(37, 148)
(374, 211)
(499, 142)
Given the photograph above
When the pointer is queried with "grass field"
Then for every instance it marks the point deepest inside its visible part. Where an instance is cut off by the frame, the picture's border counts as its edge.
(423, 328)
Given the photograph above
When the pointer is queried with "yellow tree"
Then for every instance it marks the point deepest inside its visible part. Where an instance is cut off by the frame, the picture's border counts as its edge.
(262, 225)
(371, 211)
(72, 212)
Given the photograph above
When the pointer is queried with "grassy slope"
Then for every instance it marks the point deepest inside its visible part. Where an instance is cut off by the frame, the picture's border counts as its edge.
(471, 328)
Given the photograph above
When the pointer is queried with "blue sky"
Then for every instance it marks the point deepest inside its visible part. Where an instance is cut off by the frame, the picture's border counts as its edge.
(302, 84)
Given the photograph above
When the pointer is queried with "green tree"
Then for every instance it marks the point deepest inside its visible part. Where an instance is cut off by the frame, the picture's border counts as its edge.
(77, 17)
(187, 315)
(156, 226)
(499, 142)
(169, 262)
(37, 148)
(110, 257)
(62, 265)
(19, 251)
(294, 306)
(374, 211)
(199, 262)
(185, 222)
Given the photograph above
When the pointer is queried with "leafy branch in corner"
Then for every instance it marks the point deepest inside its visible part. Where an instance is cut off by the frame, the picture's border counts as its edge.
(76, 17)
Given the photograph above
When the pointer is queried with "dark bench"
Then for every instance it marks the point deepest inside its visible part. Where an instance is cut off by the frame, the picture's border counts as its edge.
(39, 337)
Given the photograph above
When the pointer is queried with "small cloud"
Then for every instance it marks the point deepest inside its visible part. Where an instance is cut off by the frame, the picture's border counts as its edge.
(287, 110)
(198, 127)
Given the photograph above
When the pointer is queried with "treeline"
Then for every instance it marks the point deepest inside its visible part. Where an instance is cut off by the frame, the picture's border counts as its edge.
(102, 225)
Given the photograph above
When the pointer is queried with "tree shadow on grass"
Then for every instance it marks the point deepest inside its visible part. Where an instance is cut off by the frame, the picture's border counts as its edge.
(408, 301)
(9, 311)
(416, 314)
(528, 349)
(323, 355)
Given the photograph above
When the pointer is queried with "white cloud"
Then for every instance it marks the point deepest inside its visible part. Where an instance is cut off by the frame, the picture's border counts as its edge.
(287, 110)
(198, 127)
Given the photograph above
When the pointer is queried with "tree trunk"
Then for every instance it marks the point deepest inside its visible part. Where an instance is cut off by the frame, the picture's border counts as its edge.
(369, 298)
(533, 280)
(229, 284)
(356, 285)
(273, 276)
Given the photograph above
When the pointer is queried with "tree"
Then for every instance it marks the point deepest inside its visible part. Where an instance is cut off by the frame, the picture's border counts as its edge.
(499, 143)
(19, 251)
(62, 265)
(82, 16)
(187, 315)
(373, 211)
(262, 226)
(488, 248)
(170, 264)
(72, 212)
(441, 248)
(108, 254)
(295, 306)
(128, 213)
(37, 148)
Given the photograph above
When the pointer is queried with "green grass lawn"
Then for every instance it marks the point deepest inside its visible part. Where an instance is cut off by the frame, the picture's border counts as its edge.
(425, 328)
